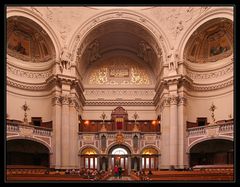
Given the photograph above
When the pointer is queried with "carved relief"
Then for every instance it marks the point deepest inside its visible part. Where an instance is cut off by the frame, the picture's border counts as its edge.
(145, 52)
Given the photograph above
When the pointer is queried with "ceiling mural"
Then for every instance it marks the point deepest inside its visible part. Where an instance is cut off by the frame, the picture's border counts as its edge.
(28, 41)
(211, 42)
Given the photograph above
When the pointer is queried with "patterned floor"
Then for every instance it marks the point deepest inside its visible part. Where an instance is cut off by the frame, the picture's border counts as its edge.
(123, 178)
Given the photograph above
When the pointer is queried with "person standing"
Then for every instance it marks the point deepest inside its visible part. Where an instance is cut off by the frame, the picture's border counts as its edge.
(116, 171)
(120, 172)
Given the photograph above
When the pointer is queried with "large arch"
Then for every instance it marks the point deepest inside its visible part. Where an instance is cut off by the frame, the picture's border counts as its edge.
(224, 12)
(25, 12)
(118, 14)
(32, 139)
(206, 139)
(27, 152)
(211, 152)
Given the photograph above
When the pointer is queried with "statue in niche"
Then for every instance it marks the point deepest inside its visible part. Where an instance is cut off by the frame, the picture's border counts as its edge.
(94, 53)
(145, 51)
(65, 59)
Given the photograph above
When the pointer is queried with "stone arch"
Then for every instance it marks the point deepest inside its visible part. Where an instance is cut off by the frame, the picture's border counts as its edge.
(118, 14)
(222, 12)
(206, 139)
(88, 146)
(27, 13)
(32, 139)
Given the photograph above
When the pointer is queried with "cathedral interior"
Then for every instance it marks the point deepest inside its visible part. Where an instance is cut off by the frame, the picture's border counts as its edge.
(147, 88)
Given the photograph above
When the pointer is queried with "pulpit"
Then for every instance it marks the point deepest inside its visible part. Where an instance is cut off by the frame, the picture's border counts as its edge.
(119, 116)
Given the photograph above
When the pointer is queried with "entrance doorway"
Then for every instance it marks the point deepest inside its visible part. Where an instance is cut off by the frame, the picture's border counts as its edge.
(119, 157)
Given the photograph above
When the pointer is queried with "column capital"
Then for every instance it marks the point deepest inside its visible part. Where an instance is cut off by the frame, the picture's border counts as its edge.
(182, 100)
(173, 100)
(65, 100)
(56, 100)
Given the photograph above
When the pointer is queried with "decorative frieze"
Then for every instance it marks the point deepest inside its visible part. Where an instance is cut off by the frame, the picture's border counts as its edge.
(28, 74)
(210, 75)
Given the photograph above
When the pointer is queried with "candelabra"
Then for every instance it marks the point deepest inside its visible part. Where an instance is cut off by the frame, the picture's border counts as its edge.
(135, 117)
(103, 117)
(25, 107)
(212, 109)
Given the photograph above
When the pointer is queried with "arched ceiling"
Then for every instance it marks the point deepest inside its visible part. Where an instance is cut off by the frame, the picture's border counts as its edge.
(26, 40)
(212, 41)
(119, 37)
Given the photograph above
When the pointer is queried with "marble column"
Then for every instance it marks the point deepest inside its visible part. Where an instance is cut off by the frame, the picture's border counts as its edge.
(165, 134)
(129, 164)
(182, 157)
(173, 144)
(98, 162)
(73, 133)
(159, 161)
(109, 163)
(65, 132)
(56, 139)
(140, 166)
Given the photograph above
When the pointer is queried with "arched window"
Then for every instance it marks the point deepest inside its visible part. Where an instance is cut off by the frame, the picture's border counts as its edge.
(119, 151)
(149, 158)
(89, 158)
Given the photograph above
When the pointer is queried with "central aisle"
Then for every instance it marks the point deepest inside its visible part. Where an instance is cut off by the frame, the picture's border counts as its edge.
(123, 178)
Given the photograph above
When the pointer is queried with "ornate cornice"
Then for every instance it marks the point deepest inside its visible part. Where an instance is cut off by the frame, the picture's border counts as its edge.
(119, 103)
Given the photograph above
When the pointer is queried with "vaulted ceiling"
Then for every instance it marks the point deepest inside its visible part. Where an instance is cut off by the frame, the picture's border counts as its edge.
(119, 37)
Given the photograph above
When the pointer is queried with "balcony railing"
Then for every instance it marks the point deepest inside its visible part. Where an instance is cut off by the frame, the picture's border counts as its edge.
(219, 128)
(20, 127)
